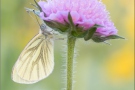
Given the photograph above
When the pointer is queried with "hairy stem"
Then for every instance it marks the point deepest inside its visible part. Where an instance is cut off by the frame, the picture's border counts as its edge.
(70, 56)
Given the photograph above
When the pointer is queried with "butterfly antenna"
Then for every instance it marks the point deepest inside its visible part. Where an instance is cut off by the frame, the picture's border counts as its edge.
(35, 20)
(38, 22)
(29, 10)
(34, 5)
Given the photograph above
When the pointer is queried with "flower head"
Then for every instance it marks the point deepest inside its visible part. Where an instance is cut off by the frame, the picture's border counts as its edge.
(85, 15)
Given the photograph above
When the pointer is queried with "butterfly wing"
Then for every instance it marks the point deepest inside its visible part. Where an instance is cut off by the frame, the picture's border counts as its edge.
(36, 61)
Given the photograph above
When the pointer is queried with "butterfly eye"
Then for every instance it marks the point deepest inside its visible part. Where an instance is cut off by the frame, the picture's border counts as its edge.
(43, 27)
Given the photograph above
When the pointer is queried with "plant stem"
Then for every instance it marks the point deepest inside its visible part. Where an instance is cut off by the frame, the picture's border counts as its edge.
(70, 62)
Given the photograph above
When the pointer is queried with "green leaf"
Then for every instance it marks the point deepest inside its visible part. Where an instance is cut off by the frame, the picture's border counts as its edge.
(78, 34)
(71, 21)
(99, 39)
(114, 37)
(57, 26)
(90, 33)
(97, 25)
(62, 27)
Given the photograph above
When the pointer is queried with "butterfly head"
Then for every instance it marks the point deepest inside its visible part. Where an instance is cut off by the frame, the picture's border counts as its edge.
(45, 30)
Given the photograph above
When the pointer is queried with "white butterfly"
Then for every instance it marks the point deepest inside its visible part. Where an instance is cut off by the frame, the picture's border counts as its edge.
(36, 61)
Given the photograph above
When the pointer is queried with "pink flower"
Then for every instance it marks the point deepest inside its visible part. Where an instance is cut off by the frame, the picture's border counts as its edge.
(84, 13)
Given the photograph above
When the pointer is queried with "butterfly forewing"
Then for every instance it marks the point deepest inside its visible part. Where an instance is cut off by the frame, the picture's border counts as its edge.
(36, 61)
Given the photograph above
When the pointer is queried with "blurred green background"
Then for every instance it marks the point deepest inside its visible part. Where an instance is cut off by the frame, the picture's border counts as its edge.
(99, 66)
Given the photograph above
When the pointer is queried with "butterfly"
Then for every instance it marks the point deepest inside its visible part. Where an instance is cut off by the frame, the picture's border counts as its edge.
(36, 61)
